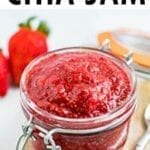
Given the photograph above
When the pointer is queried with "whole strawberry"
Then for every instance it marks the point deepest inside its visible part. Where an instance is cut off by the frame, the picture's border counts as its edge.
(25, 45)
(3, 74)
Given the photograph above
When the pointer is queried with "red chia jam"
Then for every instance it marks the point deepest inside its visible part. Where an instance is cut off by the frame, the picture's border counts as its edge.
(80, 89)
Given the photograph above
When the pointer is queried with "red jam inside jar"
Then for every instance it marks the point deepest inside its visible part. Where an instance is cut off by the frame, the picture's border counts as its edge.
(80, 89)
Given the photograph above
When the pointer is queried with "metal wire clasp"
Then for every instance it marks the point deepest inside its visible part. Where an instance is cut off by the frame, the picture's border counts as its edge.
(27, 133)
(43, 133)
(49, 141)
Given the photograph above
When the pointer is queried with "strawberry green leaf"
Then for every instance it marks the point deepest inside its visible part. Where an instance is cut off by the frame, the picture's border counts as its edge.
(43, 27)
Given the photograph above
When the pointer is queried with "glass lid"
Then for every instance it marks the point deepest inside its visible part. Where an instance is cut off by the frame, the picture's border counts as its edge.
(137, 43)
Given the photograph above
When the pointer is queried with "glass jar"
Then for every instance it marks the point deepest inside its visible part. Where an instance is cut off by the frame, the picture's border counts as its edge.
(106, 132)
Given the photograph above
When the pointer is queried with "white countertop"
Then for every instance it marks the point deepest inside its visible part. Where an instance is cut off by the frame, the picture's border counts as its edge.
(69, 28)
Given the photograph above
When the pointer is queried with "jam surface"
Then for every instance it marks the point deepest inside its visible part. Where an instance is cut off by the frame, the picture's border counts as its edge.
(77, 84)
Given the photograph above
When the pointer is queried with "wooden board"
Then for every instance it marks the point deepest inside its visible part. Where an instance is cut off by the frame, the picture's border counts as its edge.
(137, 126)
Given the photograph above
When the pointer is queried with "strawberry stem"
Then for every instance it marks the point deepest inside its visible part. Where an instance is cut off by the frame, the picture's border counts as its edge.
(29, 21)
(27, 24)
(43, 27)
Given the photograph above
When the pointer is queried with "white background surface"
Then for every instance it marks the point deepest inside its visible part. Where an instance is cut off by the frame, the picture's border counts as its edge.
(69, 28)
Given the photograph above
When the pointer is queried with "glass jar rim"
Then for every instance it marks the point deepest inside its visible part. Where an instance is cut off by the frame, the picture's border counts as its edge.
(112, 113)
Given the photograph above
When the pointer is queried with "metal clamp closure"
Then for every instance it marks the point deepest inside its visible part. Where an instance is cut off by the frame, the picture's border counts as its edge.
(27, 133)
(28, 130)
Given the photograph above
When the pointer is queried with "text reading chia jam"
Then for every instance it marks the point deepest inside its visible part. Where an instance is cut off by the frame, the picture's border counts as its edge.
(73, 2)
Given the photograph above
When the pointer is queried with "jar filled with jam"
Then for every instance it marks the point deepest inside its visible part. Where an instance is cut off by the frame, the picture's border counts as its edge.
(77, 98)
